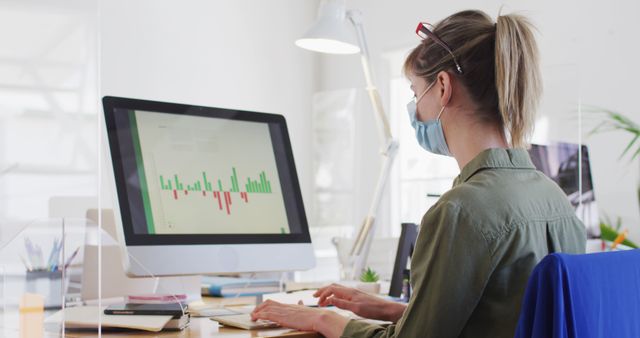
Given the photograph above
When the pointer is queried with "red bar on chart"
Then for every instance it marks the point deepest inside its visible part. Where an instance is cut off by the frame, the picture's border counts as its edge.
(175, 194)
(227, 199)
(216, 194)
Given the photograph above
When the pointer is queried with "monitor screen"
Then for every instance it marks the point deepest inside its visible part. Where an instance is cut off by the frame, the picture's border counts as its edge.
(200, 175)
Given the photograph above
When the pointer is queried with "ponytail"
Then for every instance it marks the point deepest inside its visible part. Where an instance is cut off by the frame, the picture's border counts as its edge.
(499, 63)
(517, 77)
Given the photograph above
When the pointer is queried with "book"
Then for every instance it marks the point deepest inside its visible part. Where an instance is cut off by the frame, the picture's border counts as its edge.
(178, 323)
(156, 298)
(232, 287)
(176, 310)
(88, 317)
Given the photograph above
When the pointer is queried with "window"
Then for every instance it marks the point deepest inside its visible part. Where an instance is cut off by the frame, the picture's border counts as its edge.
(48, 106)
(418, 177)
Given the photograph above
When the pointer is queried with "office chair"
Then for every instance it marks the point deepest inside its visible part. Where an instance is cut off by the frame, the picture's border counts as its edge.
(590, 295)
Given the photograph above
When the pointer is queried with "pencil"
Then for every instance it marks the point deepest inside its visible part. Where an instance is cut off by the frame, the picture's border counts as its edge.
(621, 237)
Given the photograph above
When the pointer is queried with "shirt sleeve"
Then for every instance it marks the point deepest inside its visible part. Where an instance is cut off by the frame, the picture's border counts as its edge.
(450, 267)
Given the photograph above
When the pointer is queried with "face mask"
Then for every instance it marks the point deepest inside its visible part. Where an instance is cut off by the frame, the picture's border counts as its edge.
(429, 134)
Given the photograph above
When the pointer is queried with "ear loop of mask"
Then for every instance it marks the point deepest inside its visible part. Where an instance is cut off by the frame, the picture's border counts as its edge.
(425, 92)
(442, 110)
(440, 113)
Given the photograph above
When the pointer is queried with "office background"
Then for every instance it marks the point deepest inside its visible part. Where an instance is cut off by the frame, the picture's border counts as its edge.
(57, 59)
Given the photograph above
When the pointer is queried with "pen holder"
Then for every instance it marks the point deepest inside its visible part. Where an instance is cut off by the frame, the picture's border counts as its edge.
(48, 284)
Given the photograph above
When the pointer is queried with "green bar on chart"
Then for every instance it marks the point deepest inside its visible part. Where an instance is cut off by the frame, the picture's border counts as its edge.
(263, 180)
(234, 179)
(207, 185)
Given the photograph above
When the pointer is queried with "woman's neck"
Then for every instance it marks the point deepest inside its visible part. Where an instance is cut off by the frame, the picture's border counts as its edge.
(470, 139)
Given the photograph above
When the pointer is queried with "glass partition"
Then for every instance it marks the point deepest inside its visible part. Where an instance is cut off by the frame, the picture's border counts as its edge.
(48, 158)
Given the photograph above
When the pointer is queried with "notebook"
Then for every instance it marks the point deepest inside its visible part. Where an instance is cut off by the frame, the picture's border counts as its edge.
(86, 317)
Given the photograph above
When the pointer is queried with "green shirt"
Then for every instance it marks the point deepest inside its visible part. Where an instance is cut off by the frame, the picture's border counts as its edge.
(477, 247)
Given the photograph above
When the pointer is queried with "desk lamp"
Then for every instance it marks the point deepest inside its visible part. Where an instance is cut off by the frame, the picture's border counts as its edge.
(331, 34)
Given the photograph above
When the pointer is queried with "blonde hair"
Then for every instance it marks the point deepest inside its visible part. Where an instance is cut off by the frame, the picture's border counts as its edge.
(499, 67)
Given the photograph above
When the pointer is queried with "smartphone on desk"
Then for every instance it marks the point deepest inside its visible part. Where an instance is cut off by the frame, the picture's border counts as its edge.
(169, 309)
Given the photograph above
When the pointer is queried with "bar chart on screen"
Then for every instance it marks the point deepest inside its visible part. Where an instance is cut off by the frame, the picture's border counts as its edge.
(196, 176)
(205, 188)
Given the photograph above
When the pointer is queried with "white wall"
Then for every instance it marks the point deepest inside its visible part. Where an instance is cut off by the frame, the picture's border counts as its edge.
(206, 52)
(588, 54)
(231, 54)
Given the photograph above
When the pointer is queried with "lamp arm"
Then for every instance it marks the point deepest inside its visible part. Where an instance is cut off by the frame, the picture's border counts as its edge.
(362, 243)
(389, 148)
(382, 120)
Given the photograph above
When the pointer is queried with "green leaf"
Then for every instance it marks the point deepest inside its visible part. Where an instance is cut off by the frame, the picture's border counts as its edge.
(369, 276)
(635, 154)
(609, 234)
(635, 138)
(614, 122)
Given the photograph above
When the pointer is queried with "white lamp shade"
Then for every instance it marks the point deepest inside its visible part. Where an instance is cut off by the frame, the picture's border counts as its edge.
(331, 33)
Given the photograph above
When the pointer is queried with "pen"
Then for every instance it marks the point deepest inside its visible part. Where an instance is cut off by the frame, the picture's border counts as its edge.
(70, 259)
(30, 252)
(56, 258)
(26, 263)
(619, 239)
(52, 255)
(39, 257)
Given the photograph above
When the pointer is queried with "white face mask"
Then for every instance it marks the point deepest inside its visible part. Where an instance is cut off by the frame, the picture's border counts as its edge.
(429, 134)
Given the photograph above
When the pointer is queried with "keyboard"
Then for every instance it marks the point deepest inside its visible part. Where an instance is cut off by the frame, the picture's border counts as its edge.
(244, 321)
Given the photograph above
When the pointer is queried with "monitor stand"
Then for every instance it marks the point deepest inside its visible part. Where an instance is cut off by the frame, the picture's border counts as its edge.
(115, 283)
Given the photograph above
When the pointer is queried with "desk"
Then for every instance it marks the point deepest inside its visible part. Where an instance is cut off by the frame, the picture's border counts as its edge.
(199, 327)
(202, 327)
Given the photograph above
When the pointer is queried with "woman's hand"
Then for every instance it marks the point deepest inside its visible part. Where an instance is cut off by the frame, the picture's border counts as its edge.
(328, 323)
(360, 303)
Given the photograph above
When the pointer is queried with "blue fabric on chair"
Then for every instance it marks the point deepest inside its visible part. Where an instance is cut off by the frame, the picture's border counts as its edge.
(591, 295)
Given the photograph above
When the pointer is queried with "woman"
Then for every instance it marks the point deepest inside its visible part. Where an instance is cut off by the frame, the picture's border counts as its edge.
(476, 86)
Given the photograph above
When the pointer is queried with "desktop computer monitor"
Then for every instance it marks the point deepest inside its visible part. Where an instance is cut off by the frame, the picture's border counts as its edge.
(204, 190)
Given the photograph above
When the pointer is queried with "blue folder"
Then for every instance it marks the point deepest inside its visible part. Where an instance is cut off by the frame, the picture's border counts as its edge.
(234, 287)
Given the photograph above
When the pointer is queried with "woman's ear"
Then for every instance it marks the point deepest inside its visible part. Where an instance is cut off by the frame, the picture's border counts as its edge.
(445, 86)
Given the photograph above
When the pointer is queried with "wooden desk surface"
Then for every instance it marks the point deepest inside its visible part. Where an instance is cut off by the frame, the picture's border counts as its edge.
(10, 326)
(203, 327)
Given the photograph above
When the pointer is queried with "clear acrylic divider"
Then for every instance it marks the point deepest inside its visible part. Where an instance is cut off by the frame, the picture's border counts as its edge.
(39, 273)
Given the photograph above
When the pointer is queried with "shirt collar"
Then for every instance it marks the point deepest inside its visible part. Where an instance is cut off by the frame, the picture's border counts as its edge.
(495, 158)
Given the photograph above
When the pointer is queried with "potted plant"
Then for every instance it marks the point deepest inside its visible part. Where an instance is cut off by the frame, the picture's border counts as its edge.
(369, 282)
(617, 122)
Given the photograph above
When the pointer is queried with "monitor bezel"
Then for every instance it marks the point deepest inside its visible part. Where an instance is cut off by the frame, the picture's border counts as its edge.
(111, 104)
